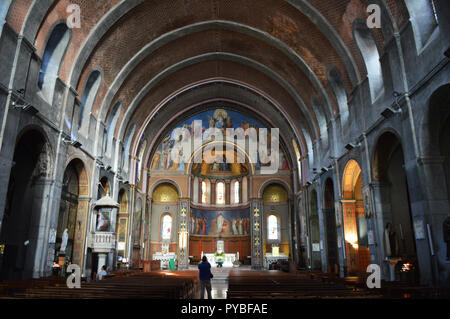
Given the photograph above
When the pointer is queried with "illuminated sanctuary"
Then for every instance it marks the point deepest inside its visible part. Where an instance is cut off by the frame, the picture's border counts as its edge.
(121, 124)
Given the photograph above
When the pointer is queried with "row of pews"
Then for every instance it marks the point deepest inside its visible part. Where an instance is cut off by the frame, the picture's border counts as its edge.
(119, 285)
(281, 285)
(302, 284)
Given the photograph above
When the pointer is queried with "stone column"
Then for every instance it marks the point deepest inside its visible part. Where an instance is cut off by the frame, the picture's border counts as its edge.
(381, 215)
(227, 192)
(240, 191)
(257, 240)
(213, 192)
(200, 191)
(148, 227)
(292, 231)
(183, 223)
(437, 202)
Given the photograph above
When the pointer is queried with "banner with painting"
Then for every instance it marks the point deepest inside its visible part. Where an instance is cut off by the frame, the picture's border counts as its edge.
(219, 223)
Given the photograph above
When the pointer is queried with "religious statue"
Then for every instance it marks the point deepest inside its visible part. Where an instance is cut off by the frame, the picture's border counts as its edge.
(391, 242)
(65, 238)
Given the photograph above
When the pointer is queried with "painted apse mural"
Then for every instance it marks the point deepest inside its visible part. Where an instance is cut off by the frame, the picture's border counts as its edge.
(216, 118)
(219, 189)
(219, 223)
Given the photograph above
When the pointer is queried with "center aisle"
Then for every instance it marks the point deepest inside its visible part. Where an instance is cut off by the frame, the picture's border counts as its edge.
(219, 283)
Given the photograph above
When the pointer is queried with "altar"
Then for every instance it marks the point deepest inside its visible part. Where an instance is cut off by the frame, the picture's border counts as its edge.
(269, 258)
(228, 261)
(165, 258)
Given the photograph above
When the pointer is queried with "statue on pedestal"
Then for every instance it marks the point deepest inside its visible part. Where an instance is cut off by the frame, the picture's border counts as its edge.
(392, 251)
(391, 242)
(65, 238)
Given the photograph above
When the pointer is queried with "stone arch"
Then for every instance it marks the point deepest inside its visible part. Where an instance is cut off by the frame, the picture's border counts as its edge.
(165, 181)
(438, 111)
(73, 213)
(354, 219)
(388, 163)
(275, 181)
(25, 205)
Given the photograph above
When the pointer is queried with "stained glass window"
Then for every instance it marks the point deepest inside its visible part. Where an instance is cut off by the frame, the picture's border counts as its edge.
(204, 193)
(236, 192)
(220, 193)
(166, 227)
(272, 227)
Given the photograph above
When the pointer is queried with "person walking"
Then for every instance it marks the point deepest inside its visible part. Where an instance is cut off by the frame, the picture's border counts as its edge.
(205, 277)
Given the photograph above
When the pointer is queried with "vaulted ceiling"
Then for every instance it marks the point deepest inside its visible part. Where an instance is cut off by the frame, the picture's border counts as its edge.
(270, 56)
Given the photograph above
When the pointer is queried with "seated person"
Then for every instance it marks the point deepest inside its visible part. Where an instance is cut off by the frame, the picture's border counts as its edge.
(102, 273)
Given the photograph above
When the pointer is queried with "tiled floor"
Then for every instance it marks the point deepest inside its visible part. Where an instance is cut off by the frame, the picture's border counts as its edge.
(219, 283)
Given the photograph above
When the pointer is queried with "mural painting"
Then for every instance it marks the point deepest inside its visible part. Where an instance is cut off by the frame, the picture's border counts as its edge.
(220, 223)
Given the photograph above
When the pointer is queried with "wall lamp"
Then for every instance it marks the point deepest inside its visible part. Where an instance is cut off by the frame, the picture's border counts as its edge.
(390, 112)
(74, 143)
(26, 107)
(351, 146)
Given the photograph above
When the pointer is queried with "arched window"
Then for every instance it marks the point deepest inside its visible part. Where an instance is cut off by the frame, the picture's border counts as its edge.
(112, 121)
(87, 101)
(4, 7)
(220, 196)
(338, 88)
(236, 192)
(299, 162)
(424, 19)
(369, 52)
(126, 153)
(272, 227)
(204, 193)
(141, 159)
(51, 60)
(321, 119)
(166, 229)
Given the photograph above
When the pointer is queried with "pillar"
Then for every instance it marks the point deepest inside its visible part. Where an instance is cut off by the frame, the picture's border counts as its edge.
(183, 234)
(257, 240)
